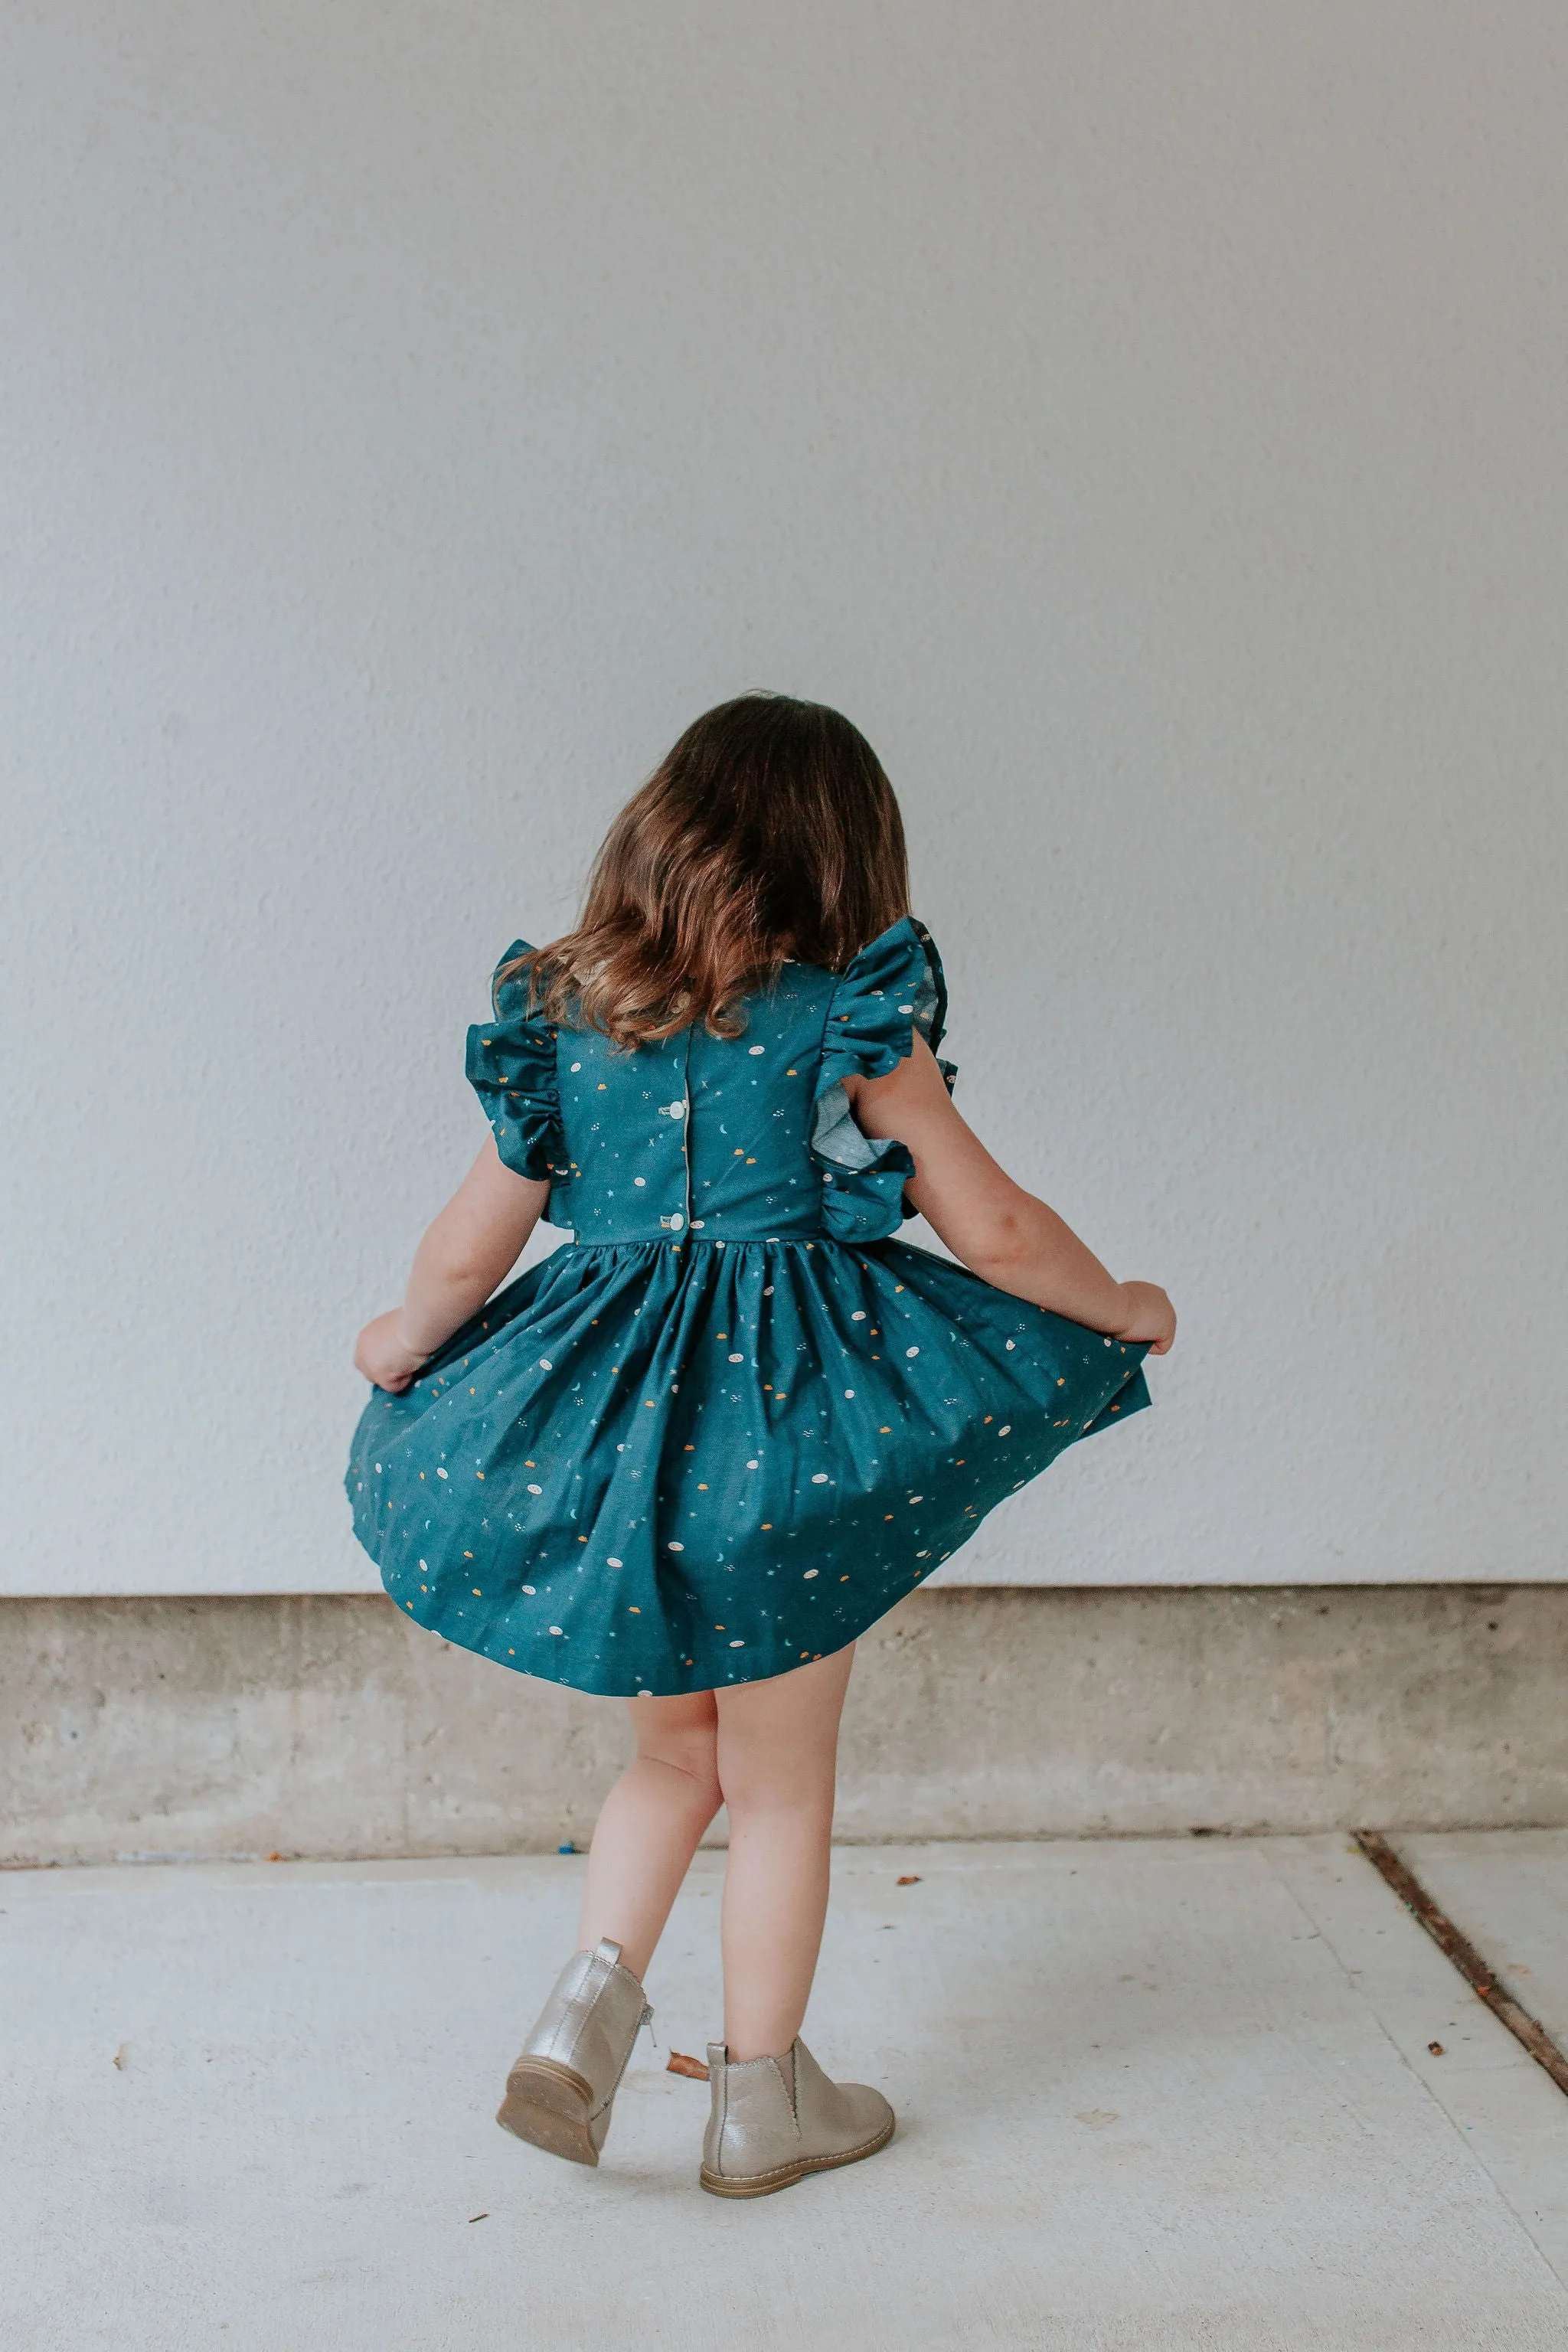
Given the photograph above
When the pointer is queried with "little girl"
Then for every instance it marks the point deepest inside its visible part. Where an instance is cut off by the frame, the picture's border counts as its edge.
(688, 1458)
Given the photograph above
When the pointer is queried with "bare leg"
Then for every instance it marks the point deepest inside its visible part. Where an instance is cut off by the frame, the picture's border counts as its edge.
(778, 1744)
(647, 1831)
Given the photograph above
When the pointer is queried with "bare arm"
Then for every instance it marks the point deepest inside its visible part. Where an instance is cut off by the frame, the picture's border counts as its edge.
(470, 1247)
(1002, 1232)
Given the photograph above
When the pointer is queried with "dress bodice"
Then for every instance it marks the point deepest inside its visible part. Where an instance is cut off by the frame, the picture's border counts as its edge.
(697, 1133)
(699, 1137)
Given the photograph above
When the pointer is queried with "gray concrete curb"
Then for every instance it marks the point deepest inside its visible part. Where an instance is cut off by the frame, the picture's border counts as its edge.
(327, 1727)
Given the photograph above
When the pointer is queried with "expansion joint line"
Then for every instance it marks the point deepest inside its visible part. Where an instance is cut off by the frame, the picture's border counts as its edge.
(1459, 1950)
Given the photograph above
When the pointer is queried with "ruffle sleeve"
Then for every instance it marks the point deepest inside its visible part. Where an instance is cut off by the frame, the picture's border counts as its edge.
(512, 1068)
(893, 988)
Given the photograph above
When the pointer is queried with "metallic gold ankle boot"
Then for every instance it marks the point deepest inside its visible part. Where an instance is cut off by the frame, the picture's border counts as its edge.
(774, 2119)
(560, 2093)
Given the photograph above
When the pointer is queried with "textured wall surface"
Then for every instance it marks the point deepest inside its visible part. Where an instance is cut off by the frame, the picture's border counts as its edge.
(326, 1726)
(1147, 423)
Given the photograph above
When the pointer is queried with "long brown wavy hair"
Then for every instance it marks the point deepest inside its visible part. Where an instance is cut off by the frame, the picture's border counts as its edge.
(769, 831)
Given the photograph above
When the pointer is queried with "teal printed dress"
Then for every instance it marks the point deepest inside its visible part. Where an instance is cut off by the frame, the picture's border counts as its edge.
(731, 1422)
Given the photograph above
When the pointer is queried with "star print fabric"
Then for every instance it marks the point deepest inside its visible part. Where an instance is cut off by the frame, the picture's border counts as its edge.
(729, 1424)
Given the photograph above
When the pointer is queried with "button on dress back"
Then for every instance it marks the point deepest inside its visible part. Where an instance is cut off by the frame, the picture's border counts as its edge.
(697, 1133)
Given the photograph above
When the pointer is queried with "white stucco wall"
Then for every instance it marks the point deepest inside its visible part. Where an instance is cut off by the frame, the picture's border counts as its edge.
(1147, 422)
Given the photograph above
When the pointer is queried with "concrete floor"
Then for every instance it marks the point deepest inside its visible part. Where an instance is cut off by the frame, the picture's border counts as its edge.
(1152, 2094)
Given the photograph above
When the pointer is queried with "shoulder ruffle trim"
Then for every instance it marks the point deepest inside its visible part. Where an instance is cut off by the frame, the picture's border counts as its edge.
(512, 1068)
(893, 988)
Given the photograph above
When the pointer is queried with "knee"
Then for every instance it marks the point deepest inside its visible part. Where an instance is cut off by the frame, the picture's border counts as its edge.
(758, 1784)
(691, 1753)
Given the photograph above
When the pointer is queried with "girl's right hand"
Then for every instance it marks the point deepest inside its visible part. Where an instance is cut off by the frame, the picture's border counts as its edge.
(1153, 1322)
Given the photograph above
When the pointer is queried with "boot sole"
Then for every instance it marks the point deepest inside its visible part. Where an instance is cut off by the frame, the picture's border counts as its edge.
(764, 2184)
(549, 2106)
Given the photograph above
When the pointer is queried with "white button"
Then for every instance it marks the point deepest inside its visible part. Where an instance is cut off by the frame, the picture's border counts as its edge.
(677, 1221)
(677, 1110)
(756, 1049)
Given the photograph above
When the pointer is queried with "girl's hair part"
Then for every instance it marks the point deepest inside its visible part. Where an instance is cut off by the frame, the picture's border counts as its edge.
(768, 833)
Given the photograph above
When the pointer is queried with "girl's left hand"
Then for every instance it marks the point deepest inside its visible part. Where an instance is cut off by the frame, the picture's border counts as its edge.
(384, 1355)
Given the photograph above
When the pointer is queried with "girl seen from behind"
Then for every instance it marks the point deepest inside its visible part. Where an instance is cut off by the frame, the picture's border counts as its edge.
(688, 1458)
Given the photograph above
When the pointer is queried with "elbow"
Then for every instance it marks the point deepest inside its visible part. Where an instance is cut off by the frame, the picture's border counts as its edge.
(1006, 1245)
(462, 1270)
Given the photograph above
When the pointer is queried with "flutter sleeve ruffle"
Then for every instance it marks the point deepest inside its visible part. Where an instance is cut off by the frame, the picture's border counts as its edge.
(893, 988)
(512, 1068)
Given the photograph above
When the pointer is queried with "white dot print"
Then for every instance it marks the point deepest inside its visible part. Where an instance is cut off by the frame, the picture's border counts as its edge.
(711, 1365)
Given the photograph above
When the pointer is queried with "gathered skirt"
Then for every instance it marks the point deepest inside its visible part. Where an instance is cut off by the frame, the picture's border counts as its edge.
(645, 1468)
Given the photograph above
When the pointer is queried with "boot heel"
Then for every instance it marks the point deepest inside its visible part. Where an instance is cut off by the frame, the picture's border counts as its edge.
(560, 2093)
(551, 2106)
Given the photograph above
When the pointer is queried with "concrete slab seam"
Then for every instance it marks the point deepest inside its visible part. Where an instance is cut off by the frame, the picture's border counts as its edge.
(1462, 1954)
